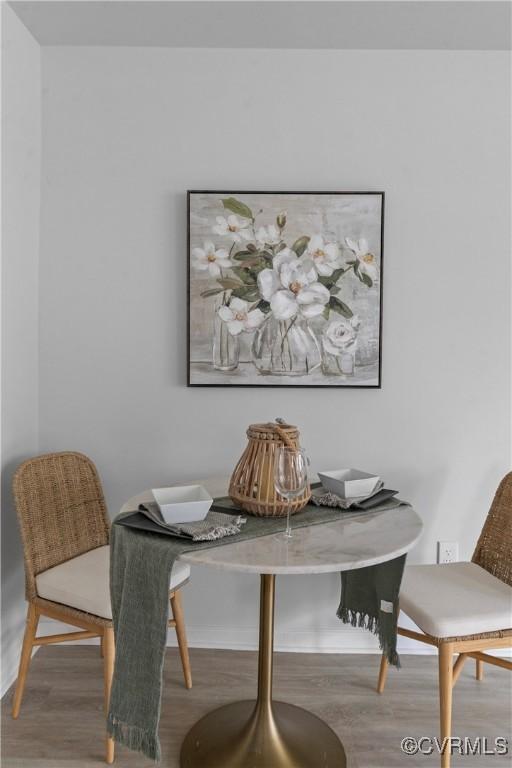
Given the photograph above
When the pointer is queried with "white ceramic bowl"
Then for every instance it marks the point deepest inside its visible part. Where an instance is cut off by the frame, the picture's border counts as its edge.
(348, 483)
(183, 503)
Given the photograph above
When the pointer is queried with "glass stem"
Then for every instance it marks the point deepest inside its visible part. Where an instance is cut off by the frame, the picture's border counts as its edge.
(288, 532)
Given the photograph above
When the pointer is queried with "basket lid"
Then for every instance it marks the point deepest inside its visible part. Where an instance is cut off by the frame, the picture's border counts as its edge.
(271, 429)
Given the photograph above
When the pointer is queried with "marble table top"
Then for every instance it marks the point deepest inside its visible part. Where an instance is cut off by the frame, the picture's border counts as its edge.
(354, 541)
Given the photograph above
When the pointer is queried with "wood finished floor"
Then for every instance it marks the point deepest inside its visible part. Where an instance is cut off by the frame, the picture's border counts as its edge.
(61, 720)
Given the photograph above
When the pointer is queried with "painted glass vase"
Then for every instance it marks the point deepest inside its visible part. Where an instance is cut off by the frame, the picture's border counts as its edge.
(285, 347)
(226, 347)
(341, 364)
(339, 344)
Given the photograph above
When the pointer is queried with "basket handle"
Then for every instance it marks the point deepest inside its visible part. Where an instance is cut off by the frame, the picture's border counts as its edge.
(282, 434)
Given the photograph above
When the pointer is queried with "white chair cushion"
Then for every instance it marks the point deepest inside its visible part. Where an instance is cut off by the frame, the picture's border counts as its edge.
(83, 582)
(455, 599)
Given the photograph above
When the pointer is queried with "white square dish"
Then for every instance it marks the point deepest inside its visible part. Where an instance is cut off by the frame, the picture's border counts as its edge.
(348, 483)
(183, 503)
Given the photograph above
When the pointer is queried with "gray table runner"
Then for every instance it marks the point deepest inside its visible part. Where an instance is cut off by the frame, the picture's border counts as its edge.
(140, 568)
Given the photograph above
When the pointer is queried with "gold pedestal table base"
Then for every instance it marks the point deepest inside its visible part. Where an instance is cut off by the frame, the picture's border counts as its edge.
(264, 733)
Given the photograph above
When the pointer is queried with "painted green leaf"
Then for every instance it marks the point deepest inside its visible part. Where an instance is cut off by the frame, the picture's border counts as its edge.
(244, 256)
(244, 274)
(366, 279)
(211, 292)
(251, 247)
(300, 245)
(235, 206)
(330, 280)
(264, 306)
(256, 269)
(339, 306)
(228, 283)
(337, 274)
(334, 289)
(326, 311)
(248, 293)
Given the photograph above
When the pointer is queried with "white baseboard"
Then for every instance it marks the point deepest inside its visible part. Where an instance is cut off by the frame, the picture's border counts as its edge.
(318, 640)
(9, 676)
(13, 627)
(340, 640)
(7, 680)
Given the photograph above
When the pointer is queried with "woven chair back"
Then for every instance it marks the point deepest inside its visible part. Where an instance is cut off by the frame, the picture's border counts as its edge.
(61, 511)
(494, 547)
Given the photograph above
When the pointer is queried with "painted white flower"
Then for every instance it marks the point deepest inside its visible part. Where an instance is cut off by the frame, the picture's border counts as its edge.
(284, 255)
(292, 287)
(366, 263)
(341, 336)
(238, 318)
(211, 259)
(325, 256)
(268, 283)
(268, 279)
(233, 227)
(268, 235)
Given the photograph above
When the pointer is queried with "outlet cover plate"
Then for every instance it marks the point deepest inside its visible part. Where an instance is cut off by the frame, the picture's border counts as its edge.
(447, 551)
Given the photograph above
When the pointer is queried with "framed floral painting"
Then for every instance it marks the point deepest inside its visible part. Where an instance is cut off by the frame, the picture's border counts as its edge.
(285, 288)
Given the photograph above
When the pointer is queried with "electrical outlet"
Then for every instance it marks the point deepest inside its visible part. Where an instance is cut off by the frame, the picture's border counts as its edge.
(447, 551)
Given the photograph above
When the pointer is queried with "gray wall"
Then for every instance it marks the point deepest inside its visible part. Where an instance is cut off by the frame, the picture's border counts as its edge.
(21, 145)
(127, 131)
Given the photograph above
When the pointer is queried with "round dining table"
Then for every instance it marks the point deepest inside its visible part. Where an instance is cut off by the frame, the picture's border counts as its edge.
(264, 733)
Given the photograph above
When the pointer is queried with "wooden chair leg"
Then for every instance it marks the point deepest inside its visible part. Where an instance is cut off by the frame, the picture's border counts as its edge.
(102, 650)
(108, 671)
(26, 655)
(177, 612)
(479, 669)
(383, 673)
(457, 667)
(445, 699)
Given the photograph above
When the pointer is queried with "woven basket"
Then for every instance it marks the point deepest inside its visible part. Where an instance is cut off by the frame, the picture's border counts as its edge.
(252, 484)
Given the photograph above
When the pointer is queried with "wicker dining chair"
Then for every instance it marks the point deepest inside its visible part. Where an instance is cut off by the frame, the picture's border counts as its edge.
(463, 608)
(65, 532)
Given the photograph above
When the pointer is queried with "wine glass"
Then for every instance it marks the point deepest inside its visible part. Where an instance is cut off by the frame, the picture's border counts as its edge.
(290, 477)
